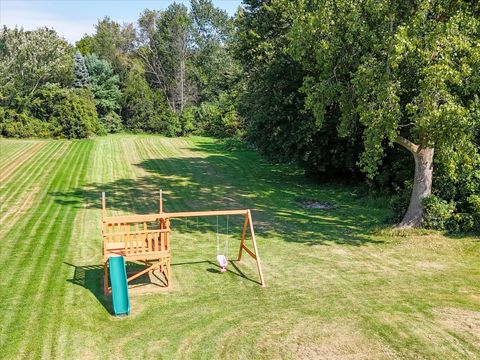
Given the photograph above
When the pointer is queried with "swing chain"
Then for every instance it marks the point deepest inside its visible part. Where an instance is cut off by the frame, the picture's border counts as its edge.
(218, 240)
(226, 242)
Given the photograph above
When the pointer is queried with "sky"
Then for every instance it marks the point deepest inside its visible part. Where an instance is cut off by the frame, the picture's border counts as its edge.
(73, 18)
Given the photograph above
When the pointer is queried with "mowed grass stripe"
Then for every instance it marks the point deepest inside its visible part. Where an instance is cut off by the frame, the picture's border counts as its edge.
(16, 163)
(9, 150)
(84, 249)
(50, 232)
(54, 281)
(28, 170)
(37, 168)
(28, 188)
(37, 224)
(33, 252)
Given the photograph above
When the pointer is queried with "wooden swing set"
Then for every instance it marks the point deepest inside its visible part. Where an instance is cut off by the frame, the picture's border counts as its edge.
(146, 239)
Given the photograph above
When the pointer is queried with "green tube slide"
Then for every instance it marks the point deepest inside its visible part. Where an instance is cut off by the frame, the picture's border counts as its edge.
(118, 281)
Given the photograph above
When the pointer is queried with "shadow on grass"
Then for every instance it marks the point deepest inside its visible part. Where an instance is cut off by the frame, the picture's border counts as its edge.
(90, 277)
(215, 268)
(217, 179)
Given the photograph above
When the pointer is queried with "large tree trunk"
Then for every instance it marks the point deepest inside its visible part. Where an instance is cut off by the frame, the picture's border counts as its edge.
(422, 182)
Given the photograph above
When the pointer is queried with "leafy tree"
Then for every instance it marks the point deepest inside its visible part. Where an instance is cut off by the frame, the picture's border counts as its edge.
(113, 42)
(82, 78)
(30, 59)
(271, 100)
(165, 38)
(84, 45)
(214, 69)
(144, 109)
(104, 84)
(406, 71)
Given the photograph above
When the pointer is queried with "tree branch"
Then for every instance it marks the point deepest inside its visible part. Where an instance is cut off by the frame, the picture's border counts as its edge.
(407, 144)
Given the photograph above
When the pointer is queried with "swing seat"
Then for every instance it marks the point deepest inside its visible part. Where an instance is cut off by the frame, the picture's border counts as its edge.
(222, 261)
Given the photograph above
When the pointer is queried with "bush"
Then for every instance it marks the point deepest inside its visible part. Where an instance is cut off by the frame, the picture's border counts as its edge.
(437, 212)
(399, 205)
(165, 122)
(218, 118)
(20, 125)
(187, 120)
(146, 110)
(474, 202)
(77, 115)
(112, 123)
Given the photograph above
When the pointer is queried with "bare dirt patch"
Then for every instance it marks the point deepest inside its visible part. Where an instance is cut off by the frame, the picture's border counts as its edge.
(430, 265)
(318, 338)
(314, 204)
(461, 320)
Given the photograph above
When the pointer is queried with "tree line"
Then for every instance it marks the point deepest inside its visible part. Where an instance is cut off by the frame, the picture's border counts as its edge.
(381, 92)
(171, 73)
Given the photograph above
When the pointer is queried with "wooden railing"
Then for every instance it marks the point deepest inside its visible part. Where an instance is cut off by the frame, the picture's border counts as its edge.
(135, 239)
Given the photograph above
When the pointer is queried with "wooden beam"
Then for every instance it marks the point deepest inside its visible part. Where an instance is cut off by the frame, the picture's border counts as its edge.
(257, 257)
(244, 232)
(250, 252)
(204, 213)
(157, 217)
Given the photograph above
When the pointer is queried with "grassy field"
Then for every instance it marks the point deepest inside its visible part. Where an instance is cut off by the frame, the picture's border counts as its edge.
(338, 285)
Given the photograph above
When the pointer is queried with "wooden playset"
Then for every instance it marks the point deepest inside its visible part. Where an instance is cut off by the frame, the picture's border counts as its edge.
(146, 239)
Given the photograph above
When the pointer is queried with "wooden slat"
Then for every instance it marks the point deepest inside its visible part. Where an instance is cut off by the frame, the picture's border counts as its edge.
(139, 232)
(250, 252)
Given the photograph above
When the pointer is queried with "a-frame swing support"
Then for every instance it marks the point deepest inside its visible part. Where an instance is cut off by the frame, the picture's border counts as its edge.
(154, 244)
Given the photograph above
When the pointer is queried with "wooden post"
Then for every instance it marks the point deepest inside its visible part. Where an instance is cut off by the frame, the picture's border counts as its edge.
(104, 206)
(161, 201)
(105, 278)
(257, 257)
(244, 232)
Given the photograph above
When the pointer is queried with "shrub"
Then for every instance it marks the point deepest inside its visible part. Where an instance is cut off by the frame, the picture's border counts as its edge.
(218, 118)
(146, 110)
(437, 212)
(76, 114)
(474, 203)
(399, 204)
(165, 122)
(112, 123)
(20, 125)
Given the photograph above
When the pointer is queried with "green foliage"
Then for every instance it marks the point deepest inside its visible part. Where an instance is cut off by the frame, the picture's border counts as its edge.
(52, 112)
(397, 68)
(146, 110)
(111, 122)
(84, 45)
(21, 125)
(30, 59)
(82, 78)
(438, 212)
(219, 118)
(76, 114)
(213, 67)
(113, 42)
(104, 85)
(271, 100)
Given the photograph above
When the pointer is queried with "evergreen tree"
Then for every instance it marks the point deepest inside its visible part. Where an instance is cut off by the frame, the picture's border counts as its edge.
(82, 78)
(104, 84)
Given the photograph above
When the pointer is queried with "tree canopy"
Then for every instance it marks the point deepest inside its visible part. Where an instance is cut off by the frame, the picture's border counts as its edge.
(377, 92)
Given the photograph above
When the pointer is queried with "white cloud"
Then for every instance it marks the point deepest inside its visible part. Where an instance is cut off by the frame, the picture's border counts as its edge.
(72, 30)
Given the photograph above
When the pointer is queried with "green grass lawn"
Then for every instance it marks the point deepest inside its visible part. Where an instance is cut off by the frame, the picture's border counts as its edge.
(338, 285)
